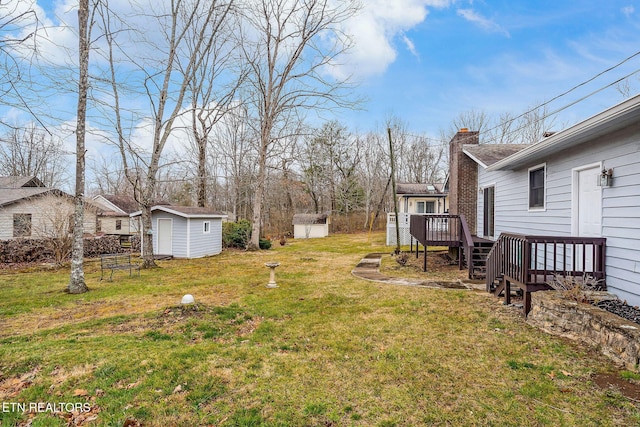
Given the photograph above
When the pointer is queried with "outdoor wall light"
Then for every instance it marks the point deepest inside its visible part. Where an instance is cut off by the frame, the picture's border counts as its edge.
(606, 178)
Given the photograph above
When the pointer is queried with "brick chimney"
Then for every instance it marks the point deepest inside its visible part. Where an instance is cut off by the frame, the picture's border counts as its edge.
(463, 178)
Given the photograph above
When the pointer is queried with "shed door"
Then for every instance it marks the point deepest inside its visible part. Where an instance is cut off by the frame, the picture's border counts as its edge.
(165, 232)
(589, 204)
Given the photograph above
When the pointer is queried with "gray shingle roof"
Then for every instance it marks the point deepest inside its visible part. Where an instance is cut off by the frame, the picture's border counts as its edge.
(19, 182)
(419, 189)
(13, 195)
(307, 219)
(489, 154)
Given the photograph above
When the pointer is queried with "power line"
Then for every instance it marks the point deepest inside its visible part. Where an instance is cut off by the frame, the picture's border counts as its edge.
(501, 124)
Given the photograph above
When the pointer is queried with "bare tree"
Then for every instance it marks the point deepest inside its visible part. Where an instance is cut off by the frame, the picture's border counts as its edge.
(288, 48)
(213, 89)
(31, 151)
(232, 144)
(77, 284)
(55, 227)
(18, 27)
(187, 32)
(108, 176)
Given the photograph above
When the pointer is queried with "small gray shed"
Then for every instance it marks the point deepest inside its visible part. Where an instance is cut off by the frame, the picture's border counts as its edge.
(186, 232)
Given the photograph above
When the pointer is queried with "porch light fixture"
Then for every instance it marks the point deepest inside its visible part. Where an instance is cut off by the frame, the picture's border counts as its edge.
(606, 178)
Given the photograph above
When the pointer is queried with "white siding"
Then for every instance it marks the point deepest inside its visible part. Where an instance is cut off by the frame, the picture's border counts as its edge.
(44, 211)
(189, 240)
(620, 204)
(179, 233)
(204, 244)
(311, 231)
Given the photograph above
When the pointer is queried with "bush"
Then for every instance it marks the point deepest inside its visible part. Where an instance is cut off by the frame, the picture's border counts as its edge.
(402, 258)
(575, 289)
(265, 244)
(236, 234)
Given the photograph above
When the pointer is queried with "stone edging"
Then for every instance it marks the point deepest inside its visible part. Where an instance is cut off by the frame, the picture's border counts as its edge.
(615, 337)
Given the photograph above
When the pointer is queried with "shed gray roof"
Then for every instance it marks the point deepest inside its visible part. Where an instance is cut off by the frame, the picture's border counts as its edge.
(185, 211)
(487, 154)
(309, 219)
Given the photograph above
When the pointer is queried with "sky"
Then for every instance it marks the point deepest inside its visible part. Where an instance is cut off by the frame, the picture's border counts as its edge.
(499, 56)
(425, 62)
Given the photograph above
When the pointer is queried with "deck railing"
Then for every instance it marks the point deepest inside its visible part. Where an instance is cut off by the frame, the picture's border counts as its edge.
(533, 261)
(444, 230)
(436, 229)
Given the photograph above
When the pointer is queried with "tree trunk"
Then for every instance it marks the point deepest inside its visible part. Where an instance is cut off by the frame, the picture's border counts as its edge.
(202, 172)
(77, 284)
(258, 197)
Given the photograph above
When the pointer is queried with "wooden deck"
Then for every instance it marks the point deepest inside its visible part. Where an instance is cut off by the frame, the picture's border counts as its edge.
(531, 262)
(445, 230)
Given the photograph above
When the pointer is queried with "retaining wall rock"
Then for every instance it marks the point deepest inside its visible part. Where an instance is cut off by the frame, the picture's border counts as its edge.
(617, 338)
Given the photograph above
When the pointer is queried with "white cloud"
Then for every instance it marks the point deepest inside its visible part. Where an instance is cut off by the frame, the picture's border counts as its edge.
(410, 45)
(376, 27)
(484, 23)
(628, 10)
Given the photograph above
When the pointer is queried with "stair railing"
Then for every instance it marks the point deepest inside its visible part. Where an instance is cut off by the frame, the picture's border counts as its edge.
(467, 245)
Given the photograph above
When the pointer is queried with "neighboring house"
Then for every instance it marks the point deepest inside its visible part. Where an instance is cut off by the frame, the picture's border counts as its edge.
(113, 217)
(185, 232)
(416, 199)
(308, 226)
(575, 187)
(28, 209)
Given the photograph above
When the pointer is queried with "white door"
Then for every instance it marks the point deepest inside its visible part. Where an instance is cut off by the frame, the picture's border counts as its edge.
(589, 215)
(165, 231)
(587, 212)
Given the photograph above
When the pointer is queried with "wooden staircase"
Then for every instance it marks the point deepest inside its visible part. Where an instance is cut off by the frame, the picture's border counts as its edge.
(479, 254)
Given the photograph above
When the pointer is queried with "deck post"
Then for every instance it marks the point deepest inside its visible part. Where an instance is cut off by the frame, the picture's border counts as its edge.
(507, 290)
(526, 303)
(424, 266)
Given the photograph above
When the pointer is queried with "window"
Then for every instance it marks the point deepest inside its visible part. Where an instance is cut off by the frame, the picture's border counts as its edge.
(21, 225)
(118, 224)
(537, 187)
(419, 207)
(431, 207)
(489, 212)
(206, 227)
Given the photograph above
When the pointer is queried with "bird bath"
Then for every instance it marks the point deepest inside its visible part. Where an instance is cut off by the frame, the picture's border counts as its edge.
(272, 274)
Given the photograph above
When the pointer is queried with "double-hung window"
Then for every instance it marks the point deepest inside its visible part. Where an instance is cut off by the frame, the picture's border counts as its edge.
(537, 187)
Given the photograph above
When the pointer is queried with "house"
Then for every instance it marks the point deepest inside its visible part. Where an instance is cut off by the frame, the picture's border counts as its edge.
(415, 198)
(185, 232)
(114, 215)
(28, 209)
(309, 226)
(567, 205)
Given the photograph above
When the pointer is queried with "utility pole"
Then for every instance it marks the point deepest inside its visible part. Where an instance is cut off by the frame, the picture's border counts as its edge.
(395, 196)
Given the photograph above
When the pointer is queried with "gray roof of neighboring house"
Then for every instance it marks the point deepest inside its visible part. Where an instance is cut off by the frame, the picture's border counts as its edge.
(127, 203)
(20, 182)
(419, 189)
(14, 195)
(487, 154)
(310, 219)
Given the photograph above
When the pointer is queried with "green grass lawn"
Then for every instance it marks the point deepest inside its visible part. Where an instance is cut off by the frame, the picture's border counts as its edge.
(323, 349)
